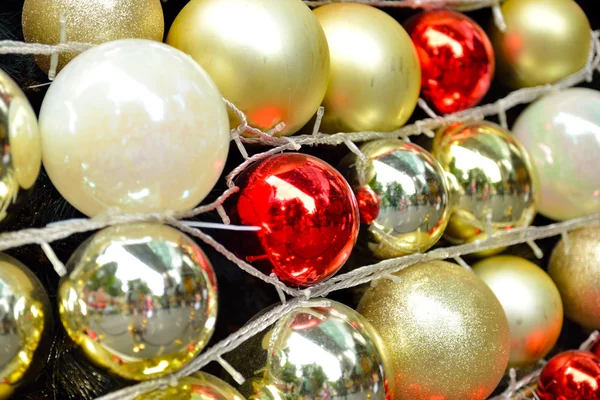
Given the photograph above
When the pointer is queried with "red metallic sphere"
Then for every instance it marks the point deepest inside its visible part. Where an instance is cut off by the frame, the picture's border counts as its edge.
(368, 204)
(572, 375)
(307, 213)
(456, 56)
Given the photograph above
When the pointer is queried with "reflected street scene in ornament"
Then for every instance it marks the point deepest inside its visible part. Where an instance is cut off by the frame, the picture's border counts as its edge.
(140, 299)
(315, 353)
(402, 197)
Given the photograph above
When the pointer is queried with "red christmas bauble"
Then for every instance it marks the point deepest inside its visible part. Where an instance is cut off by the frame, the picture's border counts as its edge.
(368, 204)
(572, 375)
(456, 56)
(307, 213)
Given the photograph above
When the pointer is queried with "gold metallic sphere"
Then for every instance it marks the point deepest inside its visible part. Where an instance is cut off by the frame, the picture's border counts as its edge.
(199, 386)
(531, 302)
(26, 324)
(140, 300)
(315, 352)
(575, 268)
(491, 179)
(545, 41)
(90, 21)
(402, 195)
(268, 57)
(445, 332)
(20, 144)
(375, 71)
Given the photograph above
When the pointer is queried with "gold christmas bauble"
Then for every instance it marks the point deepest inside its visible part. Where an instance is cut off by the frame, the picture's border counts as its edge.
(491, 178)
(140, 300)
(90, 21)
(199, 386)
(20, 145)
(531, 302)
(544, 41)
(268, 57)
(26, 323)
(315, 351)
(575, 268)
(375, 71)
(445, 332)
(402, 197)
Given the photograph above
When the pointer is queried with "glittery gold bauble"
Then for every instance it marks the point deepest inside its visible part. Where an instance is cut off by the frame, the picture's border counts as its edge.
(274, 71)
(445, 331)
(20, 145)
(402, 195)
(492, 181)
(315, 351)
(531, 302)
(90, 21)
(375, 70)
(26, 323)
(140, 300)
(199, 386)
(575, 268)
(545, 41)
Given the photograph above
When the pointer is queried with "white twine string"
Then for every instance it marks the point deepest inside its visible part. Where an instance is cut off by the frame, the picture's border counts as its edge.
(370, 273)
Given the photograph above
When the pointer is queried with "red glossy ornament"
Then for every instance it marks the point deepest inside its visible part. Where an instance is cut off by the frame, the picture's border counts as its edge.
(307, 213)
(456, 56)
(572, 375)
(368, 204)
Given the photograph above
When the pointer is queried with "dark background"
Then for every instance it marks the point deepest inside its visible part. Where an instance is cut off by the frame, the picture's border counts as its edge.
(68, 374)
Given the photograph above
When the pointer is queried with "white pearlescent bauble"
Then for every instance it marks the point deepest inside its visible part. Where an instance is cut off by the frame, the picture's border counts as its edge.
(561, 132)
(135, 125)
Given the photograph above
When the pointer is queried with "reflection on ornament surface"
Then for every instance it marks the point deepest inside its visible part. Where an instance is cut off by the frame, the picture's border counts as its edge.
(492, 181)
(26, 322)
(20, 145)
(140, 299)
(315, 352)
(307, 214)
(402, 195)
(199, 386)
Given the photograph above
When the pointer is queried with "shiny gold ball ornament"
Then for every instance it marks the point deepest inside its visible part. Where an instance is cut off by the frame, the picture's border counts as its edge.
(277, 71)
(20, 145)
(445, 332)
(313, 351)
(402, 195)
(90, 21)
(544, 42)
(140, 300)
(531, 302)
(492, 181)
(26, 324)
(199, 386)
(575, 268)
(375, 71)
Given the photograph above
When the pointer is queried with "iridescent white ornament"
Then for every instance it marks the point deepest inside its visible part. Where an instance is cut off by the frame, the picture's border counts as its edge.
(561, 132)
(135, 125)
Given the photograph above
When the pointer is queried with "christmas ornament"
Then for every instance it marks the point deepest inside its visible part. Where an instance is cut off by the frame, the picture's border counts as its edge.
(522, 52)
(90, 21)
(307, 213)
(116, 133)
(456, 56)
(575, 268)
(491, 178)
(20, 145)
(572, 375)
(375, 73)
(446, 333)
(402, 197)
(199, 386)
(317, 351)
(140, 299)
(531, 302)
(26, 324)
(275, 72)
(560, 132)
